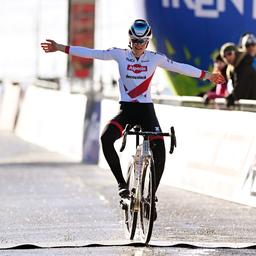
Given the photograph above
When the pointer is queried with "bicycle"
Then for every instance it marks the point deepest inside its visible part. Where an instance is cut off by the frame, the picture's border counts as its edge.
(142, 184)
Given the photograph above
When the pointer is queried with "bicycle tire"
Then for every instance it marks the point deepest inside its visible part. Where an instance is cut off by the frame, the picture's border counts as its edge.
(148, 188)
(130, 217)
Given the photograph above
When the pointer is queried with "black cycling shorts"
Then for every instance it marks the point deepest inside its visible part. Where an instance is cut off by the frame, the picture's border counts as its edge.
(135, 113)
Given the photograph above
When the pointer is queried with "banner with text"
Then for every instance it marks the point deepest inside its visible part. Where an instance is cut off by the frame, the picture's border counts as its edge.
(192, 31)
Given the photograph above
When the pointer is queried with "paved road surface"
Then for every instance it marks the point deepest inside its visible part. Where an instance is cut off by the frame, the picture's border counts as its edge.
(49, 201)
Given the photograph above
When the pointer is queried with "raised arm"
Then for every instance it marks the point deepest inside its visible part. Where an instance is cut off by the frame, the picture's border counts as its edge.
(189, 70)
(52, 46)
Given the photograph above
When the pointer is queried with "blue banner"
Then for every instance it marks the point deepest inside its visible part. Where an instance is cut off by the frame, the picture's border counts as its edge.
(192, 31)
(91, 131)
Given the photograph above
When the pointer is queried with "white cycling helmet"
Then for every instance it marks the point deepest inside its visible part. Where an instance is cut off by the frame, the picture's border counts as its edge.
(140, 29)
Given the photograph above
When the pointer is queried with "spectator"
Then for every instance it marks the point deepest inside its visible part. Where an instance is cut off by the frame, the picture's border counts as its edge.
(248, 44)
(220, 90)
(241, 71)
(241, 38)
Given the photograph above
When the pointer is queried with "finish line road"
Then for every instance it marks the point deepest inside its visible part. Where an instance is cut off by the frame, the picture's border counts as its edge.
(53, 206)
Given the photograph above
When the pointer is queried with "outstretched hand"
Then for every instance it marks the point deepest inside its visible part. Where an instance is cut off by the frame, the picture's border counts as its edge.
(217, 78)
(49, 46)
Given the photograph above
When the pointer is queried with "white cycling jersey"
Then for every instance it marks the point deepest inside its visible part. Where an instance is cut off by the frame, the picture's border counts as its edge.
(135, 74)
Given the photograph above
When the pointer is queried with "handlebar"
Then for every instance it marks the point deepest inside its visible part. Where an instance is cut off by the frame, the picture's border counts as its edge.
(147, 134)
(173, 140)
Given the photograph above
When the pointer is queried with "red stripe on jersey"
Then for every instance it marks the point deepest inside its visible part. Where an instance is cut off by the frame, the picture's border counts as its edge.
(140, 89)
(119, 126)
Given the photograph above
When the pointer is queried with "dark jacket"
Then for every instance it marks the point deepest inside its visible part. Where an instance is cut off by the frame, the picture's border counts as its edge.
(243, 76)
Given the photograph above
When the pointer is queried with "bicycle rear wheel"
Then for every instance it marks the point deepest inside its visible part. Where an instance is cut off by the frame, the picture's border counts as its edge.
(147, 206)
(131, 216)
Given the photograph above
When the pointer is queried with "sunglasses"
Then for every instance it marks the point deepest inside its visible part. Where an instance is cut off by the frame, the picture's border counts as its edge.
(139, 41)
(228, 54)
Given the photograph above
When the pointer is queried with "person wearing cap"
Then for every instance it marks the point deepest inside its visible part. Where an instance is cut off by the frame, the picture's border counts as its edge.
(136, 68)
(248, 44)
(241, 71)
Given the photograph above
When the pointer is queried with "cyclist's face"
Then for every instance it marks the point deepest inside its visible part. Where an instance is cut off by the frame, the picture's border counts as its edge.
(139, 46)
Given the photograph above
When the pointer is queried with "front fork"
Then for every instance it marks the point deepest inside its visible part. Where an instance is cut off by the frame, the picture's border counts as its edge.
(141, 160)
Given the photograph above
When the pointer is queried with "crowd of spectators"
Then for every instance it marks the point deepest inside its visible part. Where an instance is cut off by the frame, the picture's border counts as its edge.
(237, 63)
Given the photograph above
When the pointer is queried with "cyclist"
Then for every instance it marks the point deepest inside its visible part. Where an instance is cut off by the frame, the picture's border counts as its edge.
(136, 68)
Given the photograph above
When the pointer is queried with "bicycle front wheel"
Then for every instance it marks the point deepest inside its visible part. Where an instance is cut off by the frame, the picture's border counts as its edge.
(131, 216)
(147, 206)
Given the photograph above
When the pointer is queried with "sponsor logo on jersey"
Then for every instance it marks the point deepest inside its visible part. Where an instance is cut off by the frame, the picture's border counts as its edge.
(157, 129)
(136, 77)
(137, 68)
(131, 60)
(144, 60)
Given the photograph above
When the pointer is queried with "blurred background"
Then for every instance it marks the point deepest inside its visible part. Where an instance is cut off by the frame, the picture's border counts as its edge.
(186, 31)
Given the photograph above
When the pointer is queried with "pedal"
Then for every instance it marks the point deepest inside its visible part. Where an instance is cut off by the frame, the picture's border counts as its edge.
(123, 205)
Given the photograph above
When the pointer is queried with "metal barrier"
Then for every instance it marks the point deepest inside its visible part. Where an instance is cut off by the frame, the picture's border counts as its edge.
(109, 91)
(197, 102)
